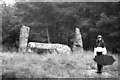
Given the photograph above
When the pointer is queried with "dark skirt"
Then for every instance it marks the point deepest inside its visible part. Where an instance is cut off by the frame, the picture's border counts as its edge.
(99, 66)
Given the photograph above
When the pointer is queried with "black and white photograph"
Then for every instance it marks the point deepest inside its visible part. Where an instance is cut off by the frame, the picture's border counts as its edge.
(50, 39)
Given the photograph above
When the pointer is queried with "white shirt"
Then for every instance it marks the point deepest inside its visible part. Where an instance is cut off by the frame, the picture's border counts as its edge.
(100, 49)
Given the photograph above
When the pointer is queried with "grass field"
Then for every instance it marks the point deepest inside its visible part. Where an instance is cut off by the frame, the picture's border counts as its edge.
(76, 65)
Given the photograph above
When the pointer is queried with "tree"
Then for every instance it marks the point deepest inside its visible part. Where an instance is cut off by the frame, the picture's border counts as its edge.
(56, 22)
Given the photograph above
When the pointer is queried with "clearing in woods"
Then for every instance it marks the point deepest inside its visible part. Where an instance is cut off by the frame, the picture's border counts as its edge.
(76, 65)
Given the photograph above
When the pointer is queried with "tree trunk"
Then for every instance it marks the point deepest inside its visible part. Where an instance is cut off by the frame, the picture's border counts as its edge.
(48, 37)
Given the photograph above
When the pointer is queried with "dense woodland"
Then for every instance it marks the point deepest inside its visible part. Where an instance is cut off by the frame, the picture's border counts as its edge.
(55, 22)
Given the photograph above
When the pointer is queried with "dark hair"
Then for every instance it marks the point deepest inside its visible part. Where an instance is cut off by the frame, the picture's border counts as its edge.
(100, 43)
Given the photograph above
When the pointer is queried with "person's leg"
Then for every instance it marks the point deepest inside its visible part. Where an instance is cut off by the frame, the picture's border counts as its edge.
(99, 68)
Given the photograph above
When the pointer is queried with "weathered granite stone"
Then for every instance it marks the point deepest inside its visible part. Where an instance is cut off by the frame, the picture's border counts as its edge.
(59, 48)
(23, 40)
(78, 39)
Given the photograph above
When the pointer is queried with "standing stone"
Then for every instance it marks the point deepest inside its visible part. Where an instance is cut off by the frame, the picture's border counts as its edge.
(23, 40)
(78, 39)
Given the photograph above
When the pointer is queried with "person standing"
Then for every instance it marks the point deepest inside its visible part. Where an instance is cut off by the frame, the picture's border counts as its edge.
(99, 49)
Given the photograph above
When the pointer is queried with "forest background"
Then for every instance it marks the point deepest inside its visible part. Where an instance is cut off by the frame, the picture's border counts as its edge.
(55, 22)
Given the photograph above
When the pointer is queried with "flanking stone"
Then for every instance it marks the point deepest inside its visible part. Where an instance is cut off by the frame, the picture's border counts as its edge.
(23, 40)
(78, 39)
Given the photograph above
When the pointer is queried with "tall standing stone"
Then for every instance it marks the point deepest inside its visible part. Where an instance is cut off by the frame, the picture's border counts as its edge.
(23, 40)
(78, 39)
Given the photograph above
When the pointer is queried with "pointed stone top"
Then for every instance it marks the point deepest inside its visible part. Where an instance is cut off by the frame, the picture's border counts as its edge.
(77, 30)
(25, 27)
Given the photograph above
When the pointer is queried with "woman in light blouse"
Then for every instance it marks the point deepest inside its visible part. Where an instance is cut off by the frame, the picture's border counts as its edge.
(99, 49)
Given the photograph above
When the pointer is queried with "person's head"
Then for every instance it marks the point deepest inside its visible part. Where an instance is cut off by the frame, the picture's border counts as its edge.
(99, 41)
(99, 37)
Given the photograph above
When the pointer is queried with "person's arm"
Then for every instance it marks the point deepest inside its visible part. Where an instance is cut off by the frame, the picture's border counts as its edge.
(95, 48)
(95, 52)
(104, 51)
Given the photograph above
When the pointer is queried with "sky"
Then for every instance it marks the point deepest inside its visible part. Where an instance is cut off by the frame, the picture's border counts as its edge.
(11, 2)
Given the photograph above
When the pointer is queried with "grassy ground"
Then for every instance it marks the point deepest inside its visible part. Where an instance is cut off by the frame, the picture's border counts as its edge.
(76, 65)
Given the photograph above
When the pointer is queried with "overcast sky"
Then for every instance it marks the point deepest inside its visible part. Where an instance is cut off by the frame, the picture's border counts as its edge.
(71, 0)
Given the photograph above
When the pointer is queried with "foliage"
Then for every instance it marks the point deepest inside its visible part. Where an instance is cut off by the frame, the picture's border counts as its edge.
(57, 21)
